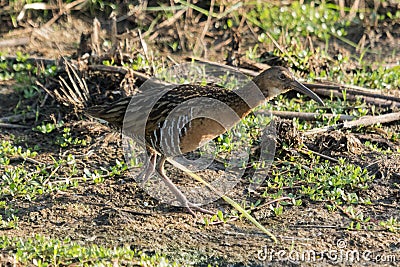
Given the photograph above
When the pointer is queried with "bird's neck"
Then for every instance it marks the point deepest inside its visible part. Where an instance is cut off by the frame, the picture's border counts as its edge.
(247, 98)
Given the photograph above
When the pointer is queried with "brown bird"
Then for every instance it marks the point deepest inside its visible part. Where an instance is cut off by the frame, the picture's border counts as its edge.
(215, 106)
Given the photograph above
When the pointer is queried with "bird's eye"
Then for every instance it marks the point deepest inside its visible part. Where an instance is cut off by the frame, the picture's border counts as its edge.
(282, 76)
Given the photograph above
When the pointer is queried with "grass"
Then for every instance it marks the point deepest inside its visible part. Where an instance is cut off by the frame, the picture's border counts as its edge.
(336, 185)
(31, 178)
(42, 251)
(294, 23)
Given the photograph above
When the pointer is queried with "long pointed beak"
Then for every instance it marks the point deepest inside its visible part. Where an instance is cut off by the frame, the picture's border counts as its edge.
(302, 89)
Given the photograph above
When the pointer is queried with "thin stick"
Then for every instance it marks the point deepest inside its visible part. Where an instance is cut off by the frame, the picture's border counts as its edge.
(234, 218)
(15, 42)
(363, 121)
(305, 151)
(337, 90)
(378, 100)
(13, 126)
(62, 11)
(113, 33)
(18, 117)
(165, 23)
(112, 69)
(309, 116)
(283, 50)
(205, 29)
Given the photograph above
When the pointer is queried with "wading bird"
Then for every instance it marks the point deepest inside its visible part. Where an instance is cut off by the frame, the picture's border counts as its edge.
(192, 134)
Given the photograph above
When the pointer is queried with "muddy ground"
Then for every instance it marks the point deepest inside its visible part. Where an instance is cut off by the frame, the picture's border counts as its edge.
(118, 212)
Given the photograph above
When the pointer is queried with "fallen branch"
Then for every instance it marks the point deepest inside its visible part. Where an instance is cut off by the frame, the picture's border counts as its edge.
(306, 151)
(18, 117)
(352, 95)
(15, 42)
(363, 121)
(119, 70)
(308, 116)
(13, 126)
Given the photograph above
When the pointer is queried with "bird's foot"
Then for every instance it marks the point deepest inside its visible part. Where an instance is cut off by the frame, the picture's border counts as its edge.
(148, 171)
(177, 192)
(190, 207)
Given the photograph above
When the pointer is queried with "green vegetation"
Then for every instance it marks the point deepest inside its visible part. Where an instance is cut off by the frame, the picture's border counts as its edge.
(32, 178)
(42, 251)
(297, 20)
(335, 185)
(340, 183)
(321, 22)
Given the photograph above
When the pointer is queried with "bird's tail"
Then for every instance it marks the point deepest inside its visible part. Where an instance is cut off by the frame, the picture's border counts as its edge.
(113, 113)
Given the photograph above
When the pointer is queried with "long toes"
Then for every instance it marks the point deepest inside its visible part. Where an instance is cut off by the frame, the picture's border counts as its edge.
(195, 207)
(191, 212)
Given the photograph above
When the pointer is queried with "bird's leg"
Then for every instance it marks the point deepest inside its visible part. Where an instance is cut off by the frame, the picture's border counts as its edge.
(150, 168)
(175, 190)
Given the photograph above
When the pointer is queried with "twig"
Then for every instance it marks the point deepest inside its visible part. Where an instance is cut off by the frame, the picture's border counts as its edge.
(225, 198)
(62, 10)
(378, 101)
(305, 151)
(353, 89)
(200, 40)
(18, 117)
(363, 121)
(320, 85)
(144, 45)
(283, 50)
(270, 202)
(15, 42)
(96, 37)
(309, 116)
(31, 160)
(114, 43)
(352, 94)
(104, 68)
(134, 212)
(317, 226)
(234, 218)
(178, 29)
(219, 46)
(76, 92)
(163, 24)
(13, 126)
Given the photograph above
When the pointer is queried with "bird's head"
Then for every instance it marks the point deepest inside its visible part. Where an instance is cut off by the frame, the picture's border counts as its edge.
(277, 80)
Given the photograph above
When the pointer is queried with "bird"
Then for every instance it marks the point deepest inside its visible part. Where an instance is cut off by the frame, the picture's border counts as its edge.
(194, 132)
